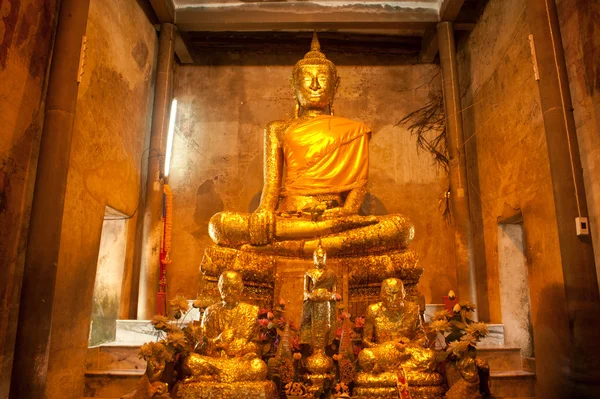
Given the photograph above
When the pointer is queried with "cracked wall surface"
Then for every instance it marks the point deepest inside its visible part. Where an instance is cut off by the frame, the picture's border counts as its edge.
(26, 28)
(223, 108)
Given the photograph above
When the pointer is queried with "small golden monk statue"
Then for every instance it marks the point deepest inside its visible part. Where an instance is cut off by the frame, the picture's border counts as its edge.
(395, 344)
(315, 176)
(319, 315)
(228, 365)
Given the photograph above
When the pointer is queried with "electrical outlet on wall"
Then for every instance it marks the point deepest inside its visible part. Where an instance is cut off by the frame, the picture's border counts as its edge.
(583, 227)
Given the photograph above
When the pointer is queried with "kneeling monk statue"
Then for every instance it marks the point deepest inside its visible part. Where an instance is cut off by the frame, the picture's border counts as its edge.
(228, 365)
(315, 175)
(395, 345)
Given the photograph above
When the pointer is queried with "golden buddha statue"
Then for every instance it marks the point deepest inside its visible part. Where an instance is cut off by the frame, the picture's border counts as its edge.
(394, 339)
(228, 364)
(319, 317)
(315, 176)
(318, 311)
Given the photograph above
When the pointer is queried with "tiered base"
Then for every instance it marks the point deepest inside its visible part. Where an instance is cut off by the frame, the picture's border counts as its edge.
(434, 392)
(238, 390)
(383, 385)
(359, 277)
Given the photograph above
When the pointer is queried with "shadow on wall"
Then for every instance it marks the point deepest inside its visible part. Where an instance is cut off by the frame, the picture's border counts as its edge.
(208, 202)
(372, 205)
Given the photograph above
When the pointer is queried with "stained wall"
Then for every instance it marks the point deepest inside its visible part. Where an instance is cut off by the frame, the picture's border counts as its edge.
(580, 29)
(508, 168)
(224, 105)
(111, 132)
(26, 29)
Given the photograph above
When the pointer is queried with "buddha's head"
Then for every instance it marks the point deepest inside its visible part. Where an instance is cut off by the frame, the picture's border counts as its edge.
(392, 293)
(314, 79)
(320, 257)
(231, 286)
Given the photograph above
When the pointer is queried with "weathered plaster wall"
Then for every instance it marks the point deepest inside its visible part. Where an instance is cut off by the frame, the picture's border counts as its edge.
(509, 167)
(224, 106)
(580, 29)
(26, 28)
(111, 131)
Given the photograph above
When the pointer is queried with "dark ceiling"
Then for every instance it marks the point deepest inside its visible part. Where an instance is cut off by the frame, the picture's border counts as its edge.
(404, 40)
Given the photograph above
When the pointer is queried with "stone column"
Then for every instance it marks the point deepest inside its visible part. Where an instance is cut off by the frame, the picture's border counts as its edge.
(37, 294)
(152, 230)
(577, 255)
(459, 193)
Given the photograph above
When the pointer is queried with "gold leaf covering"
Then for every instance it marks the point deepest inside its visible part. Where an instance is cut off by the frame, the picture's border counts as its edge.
(240, 390)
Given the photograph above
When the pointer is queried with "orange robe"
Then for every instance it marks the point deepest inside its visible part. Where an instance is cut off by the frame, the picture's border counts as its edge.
(324, 155)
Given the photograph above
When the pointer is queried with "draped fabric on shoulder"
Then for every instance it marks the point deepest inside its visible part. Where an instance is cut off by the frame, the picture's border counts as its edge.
(326, 154)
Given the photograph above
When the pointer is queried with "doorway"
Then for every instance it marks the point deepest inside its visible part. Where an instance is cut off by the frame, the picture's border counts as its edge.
(514, 288)
(109, 278)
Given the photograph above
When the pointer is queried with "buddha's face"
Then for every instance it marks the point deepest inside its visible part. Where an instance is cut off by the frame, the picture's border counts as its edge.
(231, 287)
(392, 293)
(319, 258)
(314, 86)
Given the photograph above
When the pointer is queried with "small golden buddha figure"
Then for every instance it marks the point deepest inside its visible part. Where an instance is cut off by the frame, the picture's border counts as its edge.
(315, 164)
(318, 311)
(394, 338)
(230, 354)
(319, 315)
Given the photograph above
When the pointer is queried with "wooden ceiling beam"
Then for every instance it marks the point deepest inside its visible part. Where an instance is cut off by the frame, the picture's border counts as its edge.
(429, 46)
(181, 48)
(449, 10)
(164, 10)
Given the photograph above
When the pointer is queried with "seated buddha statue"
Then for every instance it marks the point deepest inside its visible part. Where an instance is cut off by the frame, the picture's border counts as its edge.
(315, 175)
(394, 340)
(228, 364)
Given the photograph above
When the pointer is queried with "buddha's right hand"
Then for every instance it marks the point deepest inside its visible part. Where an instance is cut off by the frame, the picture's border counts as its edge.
(352, 222)
(261, 226)
(225, 337)
(402, 343)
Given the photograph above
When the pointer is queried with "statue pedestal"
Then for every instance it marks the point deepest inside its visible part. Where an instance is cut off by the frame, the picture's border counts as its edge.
(237, 390)
(392, 393)
(268, 279)
(384, 385)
